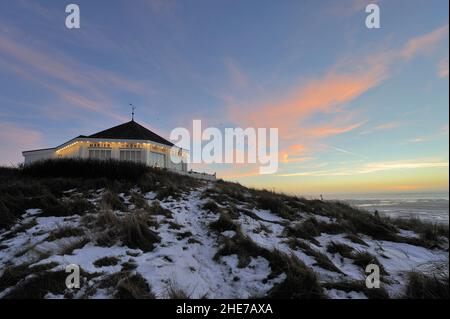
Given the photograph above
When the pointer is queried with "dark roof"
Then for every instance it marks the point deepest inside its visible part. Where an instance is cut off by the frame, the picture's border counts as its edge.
(131, 131)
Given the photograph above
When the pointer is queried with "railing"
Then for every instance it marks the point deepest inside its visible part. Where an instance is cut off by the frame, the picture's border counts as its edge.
(191, 173)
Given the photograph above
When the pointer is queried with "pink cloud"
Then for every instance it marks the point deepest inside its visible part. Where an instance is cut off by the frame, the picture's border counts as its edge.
(424, 43)
(327, 130)
(443, 68)
(387, 126)
(14, 139)
(237, 76)
(327, 95)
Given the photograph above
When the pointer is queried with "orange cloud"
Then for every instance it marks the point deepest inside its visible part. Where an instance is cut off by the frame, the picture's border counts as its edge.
(317, 96)
(236, 173)
(326, 95)
(293, 153)
(404, 187)
(325, 131)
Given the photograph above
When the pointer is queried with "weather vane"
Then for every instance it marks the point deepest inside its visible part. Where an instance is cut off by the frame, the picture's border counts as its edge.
(132, 111)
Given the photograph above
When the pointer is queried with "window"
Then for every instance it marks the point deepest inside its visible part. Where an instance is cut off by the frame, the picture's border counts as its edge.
(130, 155)
(100, 154)
(157, 159)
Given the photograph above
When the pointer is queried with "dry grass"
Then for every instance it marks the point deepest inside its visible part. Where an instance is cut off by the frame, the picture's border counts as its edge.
(358, 286)
(174, 291)
(223, 223)
(421, 286)
(133, 230)
(64, 232)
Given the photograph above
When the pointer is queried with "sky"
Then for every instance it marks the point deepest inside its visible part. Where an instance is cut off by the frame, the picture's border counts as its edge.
(357, 109)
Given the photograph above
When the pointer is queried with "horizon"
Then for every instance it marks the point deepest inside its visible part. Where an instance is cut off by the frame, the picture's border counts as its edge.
(370, 114)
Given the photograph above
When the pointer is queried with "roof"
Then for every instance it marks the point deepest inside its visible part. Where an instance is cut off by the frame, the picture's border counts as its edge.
(40, 149)
(126, 131)
(131, 131)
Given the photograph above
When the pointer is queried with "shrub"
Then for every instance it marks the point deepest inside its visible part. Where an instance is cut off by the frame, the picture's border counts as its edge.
(305, 230)
(321, 259)
(65, 231)
(211, 206)
(113, 201)
(428, 230)
(132, 229)
(127, 285)
(157, 209)
(133, 287)
(135, 232)
(421, 286)
(169, 191)
(274, 203)
(300, 283)
(86, 168)
(106, 261)
(363, 258)
(70, 246)
(358, 286)
(13, 274)
(339, 248)
(223, 223)
(174, 291)
(356, 239)
(240, 245)
(39, 285)
(139, 201)
(66, 207)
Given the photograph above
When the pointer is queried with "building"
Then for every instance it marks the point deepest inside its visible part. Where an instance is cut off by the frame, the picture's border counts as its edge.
(126, 142)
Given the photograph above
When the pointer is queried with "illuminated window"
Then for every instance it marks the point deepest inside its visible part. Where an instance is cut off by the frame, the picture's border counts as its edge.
(100, 154)
(130, 155)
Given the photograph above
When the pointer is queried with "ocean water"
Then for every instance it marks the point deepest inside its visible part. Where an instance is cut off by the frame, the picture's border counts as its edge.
(433, 207)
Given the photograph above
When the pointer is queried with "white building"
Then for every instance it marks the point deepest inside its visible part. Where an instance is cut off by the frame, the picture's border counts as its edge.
(126, 142)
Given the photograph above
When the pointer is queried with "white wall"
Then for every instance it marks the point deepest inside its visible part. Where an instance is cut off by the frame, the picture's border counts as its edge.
(80, 149)
(40, 155)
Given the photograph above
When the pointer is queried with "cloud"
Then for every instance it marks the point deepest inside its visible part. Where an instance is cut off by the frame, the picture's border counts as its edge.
(404, 187)
(323, 95)
(373, 167)
(400, 165)
(443, 68)
(233, 175)
(64, 69)
(238, 78)
(424, 43)
(341, 150)
(326, 96)
(324, 131)
(387, 126)
(443, 131)
(14, 139)
(76, 84)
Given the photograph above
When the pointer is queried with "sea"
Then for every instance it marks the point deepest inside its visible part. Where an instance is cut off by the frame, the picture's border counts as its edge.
(431, 207)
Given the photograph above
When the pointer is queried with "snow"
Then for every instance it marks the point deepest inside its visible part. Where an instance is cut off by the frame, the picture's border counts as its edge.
(189, 263)
(339, 294)
(267, 215)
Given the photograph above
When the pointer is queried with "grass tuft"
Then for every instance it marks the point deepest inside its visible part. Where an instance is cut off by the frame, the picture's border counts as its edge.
(421, 286)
